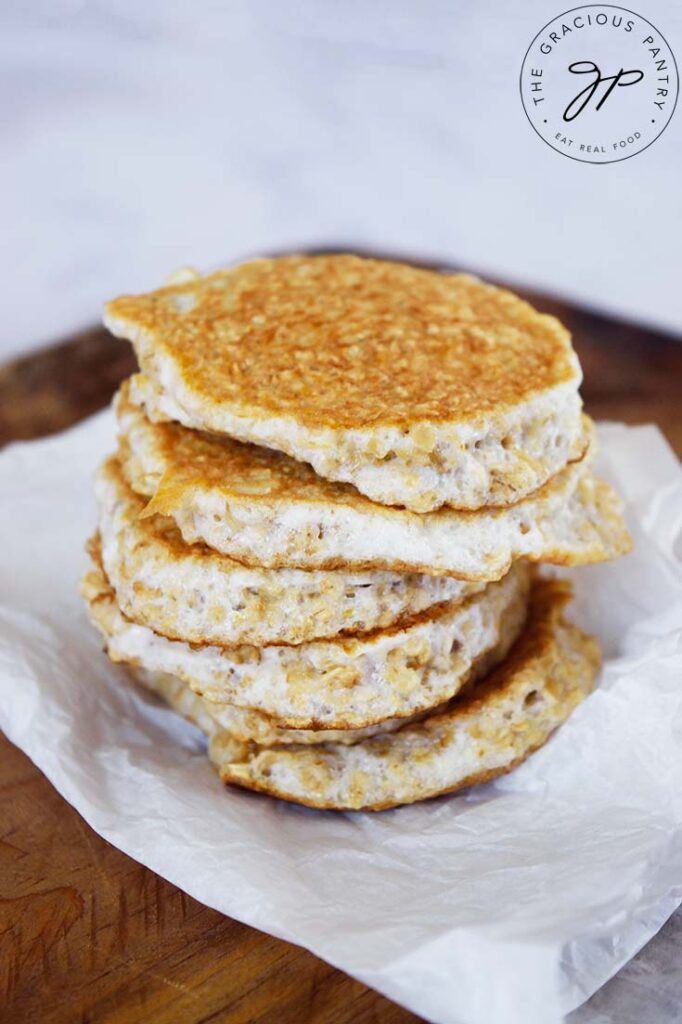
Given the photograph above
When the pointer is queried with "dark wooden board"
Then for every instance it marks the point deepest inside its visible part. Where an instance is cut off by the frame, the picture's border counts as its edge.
(87, 934)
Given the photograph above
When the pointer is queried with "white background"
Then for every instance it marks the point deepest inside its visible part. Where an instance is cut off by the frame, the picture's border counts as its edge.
(141, 136)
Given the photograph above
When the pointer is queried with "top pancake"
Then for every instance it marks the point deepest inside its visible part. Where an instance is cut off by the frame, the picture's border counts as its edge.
(420, 388)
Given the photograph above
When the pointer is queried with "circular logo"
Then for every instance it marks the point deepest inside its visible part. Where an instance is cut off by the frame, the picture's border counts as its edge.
(599, 83)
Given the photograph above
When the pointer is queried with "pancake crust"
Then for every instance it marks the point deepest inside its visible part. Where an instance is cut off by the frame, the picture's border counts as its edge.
(420, 388)
(188, 592)
(263, 508)
(346, 683)
(482, 735)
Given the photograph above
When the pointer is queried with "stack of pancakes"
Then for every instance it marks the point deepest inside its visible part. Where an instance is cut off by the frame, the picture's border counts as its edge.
(318, 536)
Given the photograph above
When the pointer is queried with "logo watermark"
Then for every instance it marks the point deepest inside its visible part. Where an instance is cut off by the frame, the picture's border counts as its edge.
(599, 83)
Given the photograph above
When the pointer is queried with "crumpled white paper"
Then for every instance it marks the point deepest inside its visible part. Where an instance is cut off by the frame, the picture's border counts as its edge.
(508, 905)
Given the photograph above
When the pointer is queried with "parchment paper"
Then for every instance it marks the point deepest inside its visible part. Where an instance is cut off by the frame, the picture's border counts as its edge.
(510, 904)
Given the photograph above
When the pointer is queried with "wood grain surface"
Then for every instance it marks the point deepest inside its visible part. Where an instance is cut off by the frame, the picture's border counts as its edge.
(88, 935)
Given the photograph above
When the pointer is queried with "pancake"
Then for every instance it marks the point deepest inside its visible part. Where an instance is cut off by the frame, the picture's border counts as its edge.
(421, 389)
(248, 726)
(346, 683)
(482, 735)
(263, 508)
(188, 592)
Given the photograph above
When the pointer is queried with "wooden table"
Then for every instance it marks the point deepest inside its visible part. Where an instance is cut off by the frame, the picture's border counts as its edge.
(86, 934)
